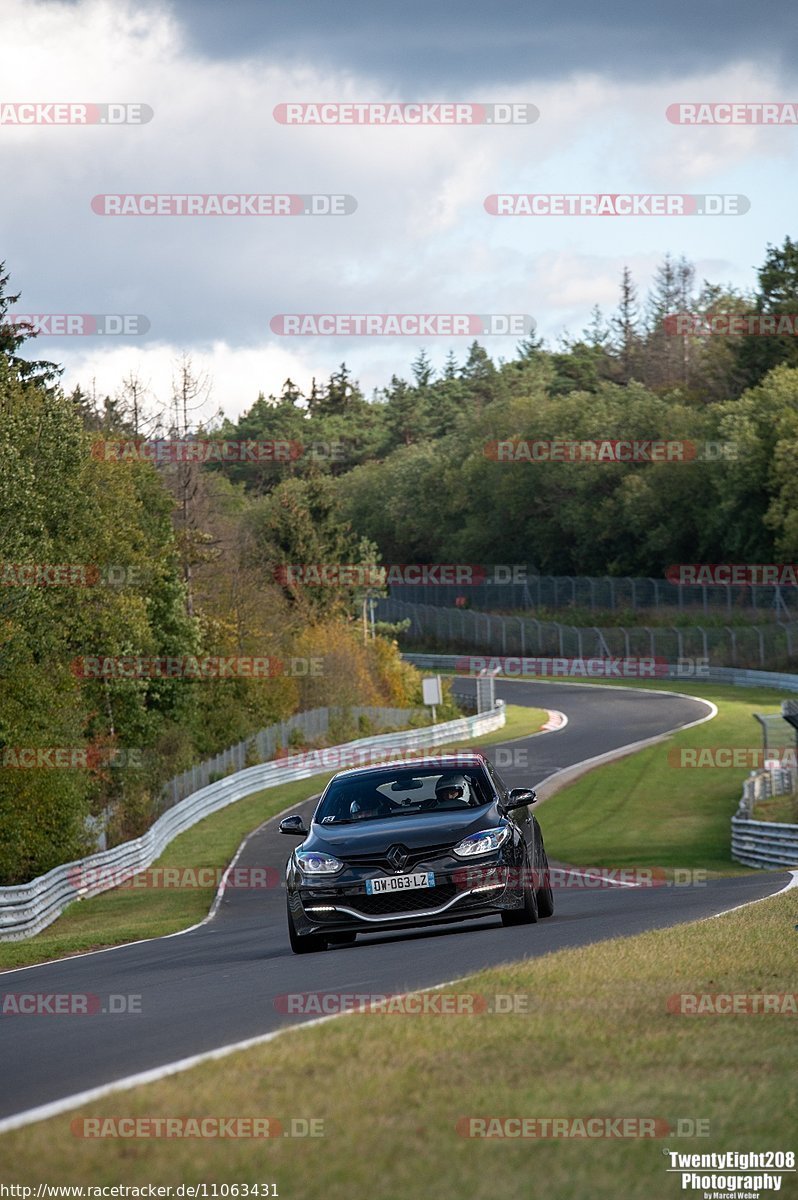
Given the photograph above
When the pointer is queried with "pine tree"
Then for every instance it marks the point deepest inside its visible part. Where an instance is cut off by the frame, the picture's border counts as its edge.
(290, 393)
(625, 327)
(14, 334)
(422, 369)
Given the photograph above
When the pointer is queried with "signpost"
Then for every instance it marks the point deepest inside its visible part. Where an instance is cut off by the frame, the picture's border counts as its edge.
(431, 690)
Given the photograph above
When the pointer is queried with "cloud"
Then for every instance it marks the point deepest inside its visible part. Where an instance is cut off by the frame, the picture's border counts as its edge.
(441, 47)
(420, 240)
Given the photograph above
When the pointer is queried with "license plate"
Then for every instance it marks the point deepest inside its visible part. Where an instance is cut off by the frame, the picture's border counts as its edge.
(399, 883)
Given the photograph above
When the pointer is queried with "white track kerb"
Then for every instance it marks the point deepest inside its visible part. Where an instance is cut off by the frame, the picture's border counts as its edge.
(68, 1103)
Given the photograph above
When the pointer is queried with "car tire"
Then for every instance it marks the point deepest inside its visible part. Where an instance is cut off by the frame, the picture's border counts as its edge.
(527, 914)
(304, 943)
(545, 896)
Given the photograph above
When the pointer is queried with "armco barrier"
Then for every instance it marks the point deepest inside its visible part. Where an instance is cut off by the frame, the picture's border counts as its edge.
(262, 746)
(27, 908)
(677, 673)
(765, 844)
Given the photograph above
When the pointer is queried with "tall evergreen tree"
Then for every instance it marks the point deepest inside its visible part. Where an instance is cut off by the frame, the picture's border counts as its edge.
(14, 334)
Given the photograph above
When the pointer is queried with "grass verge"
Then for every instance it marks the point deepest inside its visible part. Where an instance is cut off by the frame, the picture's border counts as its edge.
(598, 1039)
(129, 914)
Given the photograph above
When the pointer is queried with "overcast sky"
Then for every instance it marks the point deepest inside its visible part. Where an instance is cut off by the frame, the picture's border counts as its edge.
(421, 241)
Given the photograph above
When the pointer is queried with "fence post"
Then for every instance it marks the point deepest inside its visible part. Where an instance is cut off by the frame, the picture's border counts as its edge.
(733, 639)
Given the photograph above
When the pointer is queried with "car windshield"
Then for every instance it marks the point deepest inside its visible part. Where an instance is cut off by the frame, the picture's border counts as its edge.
(401, 792)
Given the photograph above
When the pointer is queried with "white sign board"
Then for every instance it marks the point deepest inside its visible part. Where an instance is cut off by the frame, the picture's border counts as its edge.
(431, 687)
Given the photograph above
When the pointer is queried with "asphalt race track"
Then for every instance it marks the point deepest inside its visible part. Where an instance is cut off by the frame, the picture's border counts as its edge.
(217, 984)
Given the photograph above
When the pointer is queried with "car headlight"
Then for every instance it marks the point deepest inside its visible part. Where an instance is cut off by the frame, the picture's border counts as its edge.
(311, 862)
(485, 842)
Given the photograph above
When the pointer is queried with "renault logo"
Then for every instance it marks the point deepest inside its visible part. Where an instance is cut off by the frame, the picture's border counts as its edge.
(397, 856)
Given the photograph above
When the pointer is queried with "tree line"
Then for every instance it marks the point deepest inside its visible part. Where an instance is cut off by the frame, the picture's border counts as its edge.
(406, 475)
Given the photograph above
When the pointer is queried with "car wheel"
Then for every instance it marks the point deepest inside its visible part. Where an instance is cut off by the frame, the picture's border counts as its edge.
(527, 914)
(545, 896)
(304, 943)
(341, 939)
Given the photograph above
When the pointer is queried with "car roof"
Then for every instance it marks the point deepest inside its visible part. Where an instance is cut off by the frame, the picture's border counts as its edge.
(447, 761)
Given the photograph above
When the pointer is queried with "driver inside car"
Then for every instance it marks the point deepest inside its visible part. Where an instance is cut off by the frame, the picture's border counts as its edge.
(451, 791)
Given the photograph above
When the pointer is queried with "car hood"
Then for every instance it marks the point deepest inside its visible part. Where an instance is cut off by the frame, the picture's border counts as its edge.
(415, 832)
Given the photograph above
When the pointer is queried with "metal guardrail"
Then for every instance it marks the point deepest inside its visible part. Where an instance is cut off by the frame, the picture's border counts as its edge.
(676, 672)
(763, 785)
(27, 908)
(766, 844)
(770, 646)
(261, 746)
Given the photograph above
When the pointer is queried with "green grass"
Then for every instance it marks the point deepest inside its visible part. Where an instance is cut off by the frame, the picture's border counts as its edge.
(644, 811)
(716, 617)
(597, 1040)
(778, 808)
(129, 914)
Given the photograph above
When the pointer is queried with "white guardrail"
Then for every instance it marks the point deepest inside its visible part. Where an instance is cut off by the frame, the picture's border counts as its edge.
(512, 667)
(765, 844)
(27, 908)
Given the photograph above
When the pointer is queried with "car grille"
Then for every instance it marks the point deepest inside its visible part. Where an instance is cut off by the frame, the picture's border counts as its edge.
(414, 857)
(389, 903)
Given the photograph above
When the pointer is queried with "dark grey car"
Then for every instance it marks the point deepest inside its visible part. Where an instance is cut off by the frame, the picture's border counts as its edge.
(415, 843)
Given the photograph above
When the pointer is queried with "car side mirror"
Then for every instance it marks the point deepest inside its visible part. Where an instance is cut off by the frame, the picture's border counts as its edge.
(519, 798)
(293, 825)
